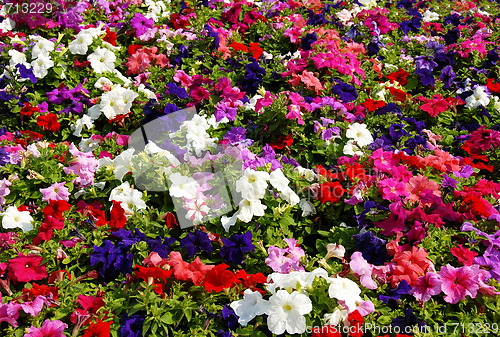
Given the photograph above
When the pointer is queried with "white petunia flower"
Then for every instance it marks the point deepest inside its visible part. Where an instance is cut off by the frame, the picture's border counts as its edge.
(117, 101)
(12, 218)
(42, 47)
(286, 312)
(131, 200)
(152, 148)
(182, 186)
(41, 66)
(360, 134)
(336, 317)
(307, 207)
(16, 58)
(351, 149)
(101, 82)
(81, 43)
(345, 290)
(249, 208)
(123, 164)
(250, 306)
(280, 182)
(89, 144)
(228, 222)
(253, 184)
(7, 24)
(78, 126)
(120, 191)
(430, 16)
(102, 60)
(478, 98)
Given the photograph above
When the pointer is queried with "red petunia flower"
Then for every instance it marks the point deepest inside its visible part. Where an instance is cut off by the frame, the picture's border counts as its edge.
(219, 278)
(399, 76)
(330, 192)
(98, 329)
(238, 46)
(49, 122)
(255, 49)
(110, 37)
(28, 110)
(356, 321)
(27, 268)
(464, 255)
(282, 141)
(372, 104)
(117, 216)
(45, 230)
(39, 290)
(56, 208)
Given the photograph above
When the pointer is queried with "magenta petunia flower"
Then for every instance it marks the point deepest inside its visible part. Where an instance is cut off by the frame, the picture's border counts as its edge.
(426, 287)
(56, 191)
(457, 283)
(53, 328)
(27, 268)
(141, 24)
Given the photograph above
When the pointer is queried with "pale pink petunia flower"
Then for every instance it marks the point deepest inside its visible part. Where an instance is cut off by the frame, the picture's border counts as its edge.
(56, 191)
(363, 269)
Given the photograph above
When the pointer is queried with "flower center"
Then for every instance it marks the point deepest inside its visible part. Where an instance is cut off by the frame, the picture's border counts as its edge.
(287, 307)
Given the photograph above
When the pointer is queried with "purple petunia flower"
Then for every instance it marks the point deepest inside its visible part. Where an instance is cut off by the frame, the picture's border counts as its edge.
(345, 91)
(26, 73)
(235, 247)
(161, 245)
(141, 24)
(447, 76)
(131, 326)
(195, 242)
(449, 182)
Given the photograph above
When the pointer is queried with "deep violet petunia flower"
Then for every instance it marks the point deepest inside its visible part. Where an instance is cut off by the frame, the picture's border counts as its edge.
(447, 76)
(402, 289)
(131, 326)
(345, 91)
(235, 247)
(161, 245)
(195, 242)
(406, 322)
(372, 247)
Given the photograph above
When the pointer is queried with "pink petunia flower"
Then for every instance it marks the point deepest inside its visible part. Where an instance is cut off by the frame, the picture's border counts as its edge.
(427, 286)
(392, 189)
(49, 328)
(457, 283)
(9, 312)
(56, 191)
(363, 269)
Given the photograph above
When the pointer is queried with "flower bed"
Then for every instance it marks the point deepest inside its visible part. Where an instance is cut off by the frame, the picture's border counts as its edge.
(220, 168)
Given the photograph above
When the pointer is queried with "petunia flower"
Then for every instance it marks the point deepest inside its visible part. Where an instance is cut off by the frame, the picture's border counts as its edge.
(363, 269)
(286, 312)
(426, 286)
(27, 268)
(250, 306)
(54, 328)
(56, 191)
(457, 283)
(13, 218)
